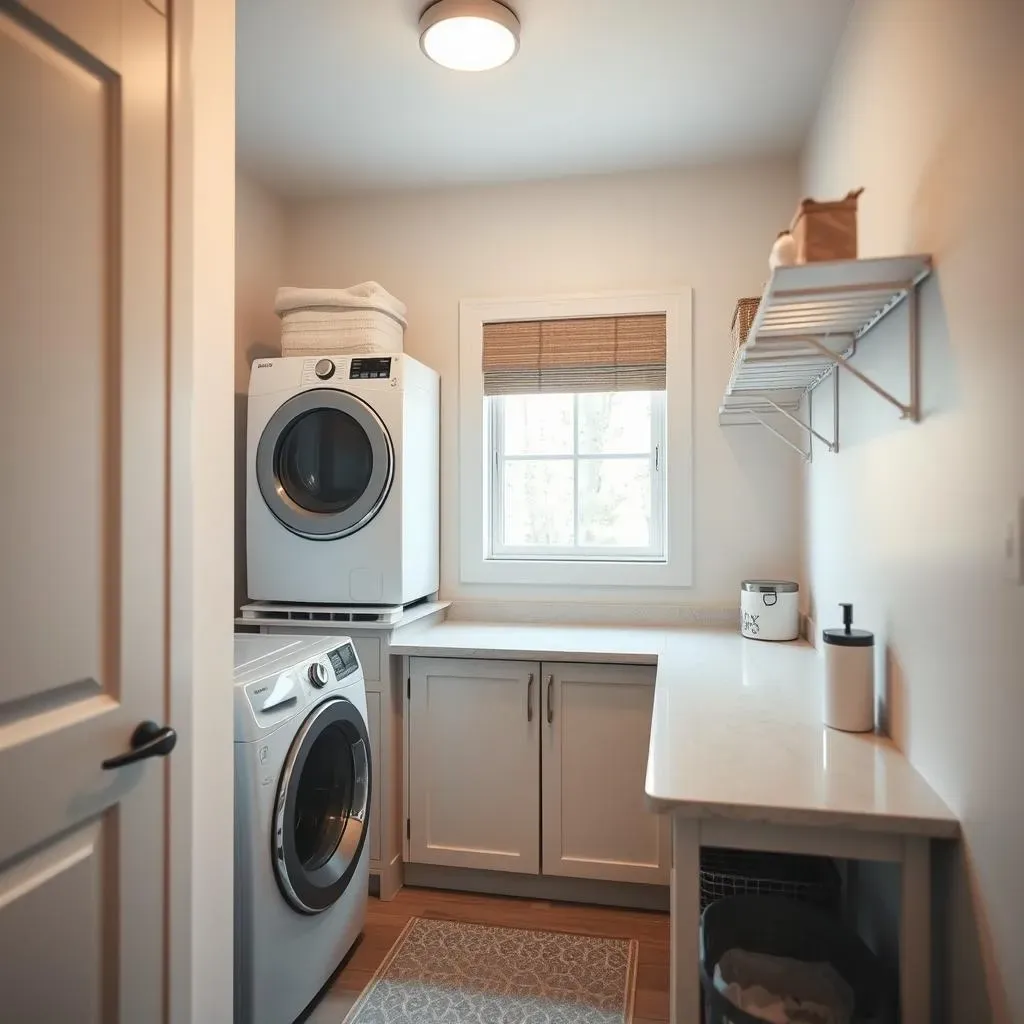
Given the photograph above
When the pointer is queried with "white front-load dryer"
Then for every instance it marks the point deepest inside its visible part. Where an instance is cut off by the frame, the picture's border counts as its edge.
(302, 806)
(342, 494)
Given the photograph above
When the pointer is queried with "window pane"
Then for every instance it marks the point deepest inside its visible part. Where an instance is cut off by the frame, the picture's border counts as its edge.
(538, 503)
(615, 422)
(537, 424)
(615, 502)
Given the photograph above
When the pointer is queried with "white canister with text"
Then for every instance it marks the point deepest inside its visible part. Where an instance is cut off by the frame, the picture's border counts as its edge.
(770, 610)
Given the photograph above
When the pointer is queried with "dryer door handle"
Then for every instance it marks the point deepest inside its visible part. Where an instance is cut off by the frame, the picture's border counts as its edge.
(148, 740)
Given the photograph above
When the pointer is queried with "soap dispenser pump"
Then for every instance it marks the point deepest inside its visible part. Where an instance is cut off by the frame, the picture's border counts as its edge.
(849, 690)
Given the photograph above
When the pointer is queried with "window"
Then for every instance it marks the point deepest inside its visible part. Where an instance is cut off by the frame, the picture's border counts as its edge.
(575, 441)
(578, 476)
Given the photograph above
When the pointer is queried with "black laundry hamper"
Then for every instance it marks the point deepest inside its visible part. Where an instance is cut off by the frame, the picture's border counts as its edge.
(785, 927)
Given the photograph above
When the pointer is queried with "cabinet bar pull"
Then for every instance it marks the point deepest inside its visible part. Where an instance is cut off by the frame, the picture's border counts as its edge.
(551, 708)
(529, 698)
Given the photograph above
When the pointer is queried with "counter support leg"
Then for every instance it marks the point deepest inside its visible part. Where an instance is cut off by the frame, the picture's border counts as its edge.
(915, 932)
(684, 982)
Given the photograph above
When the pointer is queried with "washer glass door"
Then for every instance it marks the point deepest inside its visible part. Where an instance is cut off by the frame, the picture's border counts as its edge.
(324, 464)
(323, 803)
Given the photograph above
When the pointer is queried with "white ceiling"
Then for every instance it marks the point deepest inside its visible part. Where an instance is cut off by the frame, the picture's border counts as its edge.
(335, 95)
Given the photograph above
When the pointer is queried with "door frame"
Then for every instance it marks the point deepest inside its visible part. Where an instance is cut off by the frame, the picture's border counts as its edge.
(200, 807)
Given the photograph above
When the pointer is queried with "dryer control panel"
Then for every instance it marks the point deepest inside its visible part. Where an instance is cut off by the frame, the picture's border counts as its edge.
(370, 367)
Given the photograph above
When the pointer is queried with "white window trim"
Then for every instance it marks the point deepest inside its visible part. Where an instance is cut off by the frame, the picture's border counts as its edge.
(475, 450)
(654, 552)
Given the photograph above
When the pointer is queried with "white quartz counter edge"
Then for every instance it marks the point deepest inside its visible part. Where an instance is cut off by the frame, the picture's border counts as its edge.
(703, 759)
(510, 653)
(612, 644)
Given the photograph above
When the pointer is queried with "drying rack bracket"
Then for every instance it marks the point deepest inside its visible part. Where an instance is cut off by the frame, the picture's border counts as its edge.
(832, 446)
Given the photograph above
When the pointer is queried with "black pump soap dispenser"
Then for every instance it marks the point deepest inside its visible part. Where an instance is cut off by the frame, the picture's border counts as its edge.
(849, 688)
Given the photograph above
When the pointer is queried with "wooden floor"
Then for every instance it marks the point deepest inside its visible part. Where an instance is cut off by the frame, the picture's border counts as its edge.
(385, 921)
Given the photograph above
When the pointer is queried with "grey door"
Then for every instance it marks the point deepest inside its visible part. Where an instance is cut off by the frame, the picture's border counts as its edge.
(324, 464)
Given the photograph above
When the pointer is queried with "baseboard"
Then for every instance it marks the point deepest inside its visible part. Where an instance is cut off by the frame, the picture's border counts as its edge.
(539, 887)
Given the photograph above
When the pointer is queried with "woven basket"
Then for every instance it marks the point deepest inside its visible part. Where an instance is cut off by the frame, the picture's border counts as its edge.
(743, 319)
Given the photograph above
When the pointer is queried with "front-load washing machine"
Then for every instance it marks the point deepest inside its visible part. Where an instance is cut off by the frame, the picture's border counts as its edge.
(342, 498)
(302, 805)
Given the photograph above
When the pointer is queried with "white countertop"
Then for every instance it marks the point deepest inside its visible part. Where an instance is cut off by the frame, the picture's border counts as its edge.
(736, 730)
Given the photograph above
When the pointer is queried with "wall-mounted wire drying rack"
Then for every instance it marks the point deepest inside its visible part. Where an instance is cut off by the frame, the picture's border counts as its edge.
(807, 327)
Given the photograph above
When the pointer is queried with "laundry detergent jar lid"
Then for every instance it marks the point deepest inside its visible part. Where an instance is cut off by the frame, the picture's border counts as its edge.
(769, 586)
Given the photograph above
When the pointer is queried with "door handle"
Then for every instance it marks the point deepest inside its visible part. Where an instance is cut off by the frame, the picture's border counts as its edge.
(148, 740)
(551, 707)
(529, 698)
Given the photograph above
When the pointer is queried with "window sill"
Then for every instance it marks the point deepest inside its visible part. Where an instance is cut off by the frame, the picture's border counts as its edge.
(589, 558)
(536, 572)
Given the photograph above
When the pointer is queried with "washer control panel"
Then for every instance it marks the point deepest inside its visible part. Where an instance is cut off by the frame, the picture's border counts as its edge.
(344, 661)
(370, 367)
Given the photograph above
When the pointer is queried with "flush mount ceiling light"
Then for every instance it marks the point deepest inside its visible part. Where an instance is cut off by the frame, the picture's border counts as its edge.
(469, 35)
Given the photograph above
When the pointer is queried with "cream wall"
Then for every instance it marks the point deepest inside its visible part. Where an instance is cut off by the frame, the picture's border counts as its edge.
(908, 521)
(259, 259)
(709, 229)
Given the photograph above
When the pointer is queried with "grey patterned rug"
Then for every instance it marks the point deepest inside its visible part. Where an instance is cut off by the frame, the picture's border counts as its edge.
(448, 972)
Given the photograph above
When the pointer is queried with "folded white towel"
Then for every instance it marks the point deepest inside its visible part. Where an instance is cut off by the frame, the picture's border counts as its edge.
(368, 295)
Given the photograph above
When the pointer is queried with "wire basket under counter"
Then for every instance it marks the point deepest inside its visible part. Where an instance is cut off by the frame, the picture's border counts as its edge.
(811, 880)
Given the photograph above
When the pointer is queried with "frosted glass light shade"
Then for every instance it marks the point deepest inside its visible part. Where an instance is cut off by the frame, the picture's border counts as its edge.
(469, 35)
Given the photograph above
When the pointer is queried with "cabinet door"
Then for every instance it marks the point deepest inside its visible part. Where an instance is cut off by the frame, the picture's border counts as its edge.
(474, 764)
(597, 728)
(378, 770)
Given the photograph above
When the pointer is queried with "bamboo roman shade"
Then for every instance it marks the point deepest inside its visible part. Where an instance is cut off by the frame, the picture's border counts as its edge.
(601, 353)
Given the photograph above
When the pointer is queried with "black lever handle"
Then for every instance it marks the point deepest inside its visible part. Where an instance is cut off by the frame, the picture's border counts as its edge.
(148, 740)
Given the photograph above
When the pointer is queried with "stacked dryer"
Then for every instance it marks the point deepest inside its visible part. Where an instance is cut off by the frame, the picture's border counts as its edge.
(342, 495)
